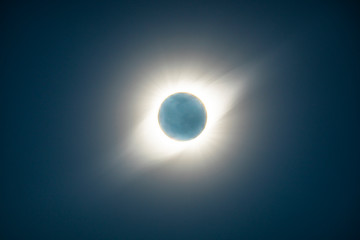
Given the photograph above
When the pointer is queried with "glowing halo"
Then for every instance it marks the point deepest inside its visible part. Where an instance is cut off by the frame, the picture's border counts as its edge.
(147, 143)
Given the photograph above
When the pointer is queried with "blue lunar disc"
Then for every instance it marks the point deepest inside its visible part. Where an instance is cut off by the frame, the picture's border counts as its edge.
(182, 116)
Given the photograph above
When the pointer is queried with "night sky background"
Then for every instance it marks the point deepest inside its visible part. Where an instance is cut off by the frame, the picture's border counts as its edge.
(301, 179)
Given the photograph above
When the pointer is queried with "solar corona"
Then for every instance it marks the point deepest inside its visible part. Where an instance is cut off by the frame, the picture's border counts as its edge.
(182, 116)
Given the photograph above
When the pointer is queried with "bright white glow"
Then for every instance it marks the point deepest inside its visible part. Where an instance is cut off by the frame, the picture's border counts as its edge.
(148, 143)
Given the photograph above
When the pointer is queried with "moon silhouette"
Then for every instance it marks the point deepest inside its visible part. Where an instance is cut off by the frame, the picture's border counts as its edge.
(182, 116)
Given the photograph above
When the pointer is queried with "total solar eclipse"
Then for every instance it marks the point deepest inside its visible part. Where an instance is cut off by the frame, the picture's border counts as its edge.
(182, 116)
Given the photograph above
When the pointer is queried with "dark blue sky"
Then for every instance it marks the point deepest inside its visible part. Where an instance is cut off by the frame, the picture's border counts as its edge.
(302, 174)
